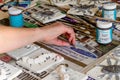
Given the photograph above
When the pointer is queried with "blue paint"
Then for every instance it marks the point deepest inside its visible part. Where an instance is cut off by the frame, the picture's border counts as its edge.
(23, 5)
(16, 20)
(83, 52)
(90, 78)
(70, 20)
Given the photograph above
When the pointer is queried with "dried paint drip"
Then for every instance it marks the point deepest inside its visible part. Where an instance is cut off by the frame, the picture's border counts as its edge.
(110, 70)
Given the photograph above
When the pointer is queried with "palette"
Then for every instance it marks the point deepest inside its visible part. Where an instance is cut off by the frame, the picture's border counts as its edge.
(46, 13)
(40, 60)
(83, 10)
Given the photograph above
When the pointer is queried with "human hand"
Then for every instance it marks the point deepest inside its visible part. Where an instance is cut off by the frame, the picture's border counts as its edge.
(53, 31)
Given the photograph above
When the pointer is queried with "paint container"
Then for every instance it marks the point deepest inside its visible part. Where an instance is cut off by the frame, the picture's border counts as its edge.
(16, 17)
(104, 32)
(109, 10)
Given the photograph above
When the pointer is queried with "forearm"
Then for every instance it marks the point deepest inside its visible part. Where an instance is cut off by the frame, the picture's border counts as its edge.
(12, 38)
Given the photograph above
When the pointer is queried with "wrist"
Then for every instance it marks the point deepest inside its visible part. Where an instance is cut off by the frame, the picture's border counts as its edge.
(40, 34)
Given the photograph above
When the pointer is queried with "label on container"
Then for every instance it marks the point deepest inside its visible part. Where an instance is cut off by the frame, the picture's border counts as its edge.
(104, 36)
(109, 14)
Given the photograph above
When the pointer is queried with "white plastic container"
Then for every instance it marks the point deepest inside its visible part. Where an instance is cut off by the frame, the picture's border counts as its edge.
(104, 32)
(109, 10)
(15, 17)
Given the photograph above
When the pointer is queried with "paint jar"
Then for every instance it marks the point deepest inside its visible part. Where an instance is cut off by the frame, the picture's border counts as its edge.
(109, 10)
(15, 17)
(104, 32)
